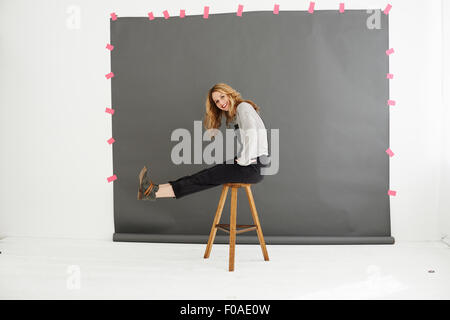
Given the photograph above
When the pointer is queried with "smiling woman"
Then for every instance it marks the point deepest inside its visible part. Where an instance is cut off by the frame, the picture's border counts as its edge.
(222, 100)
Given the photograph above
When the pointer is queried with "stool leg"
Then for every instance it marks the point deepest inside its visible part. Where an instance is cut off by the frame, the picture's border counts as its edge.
(251, 201)
(212, 234)
(232, 227)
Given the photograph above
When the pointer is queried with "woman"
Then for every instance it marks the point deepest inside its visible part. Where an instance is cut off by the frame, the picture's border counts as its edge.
(222, 100)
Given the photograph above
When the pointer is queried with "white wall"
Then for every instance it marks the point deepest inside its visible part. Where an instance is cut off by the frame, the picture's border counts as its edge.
(444, 199)
(54, 155)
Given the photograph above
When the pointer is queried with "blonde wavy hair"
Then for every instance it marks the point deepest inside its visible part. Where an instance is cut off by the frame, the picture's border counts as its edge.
(213, 116)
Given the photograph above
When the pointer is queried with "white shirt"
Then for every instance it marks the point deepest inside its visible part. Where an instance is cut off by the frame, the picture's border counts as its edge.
(252, 134)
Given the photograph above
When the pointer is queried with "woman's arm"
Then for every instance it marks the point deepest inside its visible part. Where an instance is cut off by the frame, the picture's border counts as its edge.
(248, 133)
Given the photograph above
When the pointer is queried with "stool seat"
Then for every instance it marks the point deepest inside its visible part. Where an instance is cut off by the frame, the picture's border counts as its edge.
(234, 228)
(237, 185)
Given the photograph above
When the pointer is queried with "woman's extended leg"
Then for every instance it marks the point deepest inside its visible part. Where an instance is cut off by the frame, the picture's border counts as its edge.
(211, 177)
(165, 191)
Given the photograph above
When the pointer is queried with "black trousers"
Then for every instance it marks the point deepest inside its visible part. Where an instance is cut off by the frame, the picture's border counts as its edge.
(217, 175)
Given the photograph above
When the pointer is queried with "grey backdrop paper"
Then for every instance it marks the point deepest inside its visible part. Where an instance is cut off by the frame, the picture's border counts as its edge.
(319, 78)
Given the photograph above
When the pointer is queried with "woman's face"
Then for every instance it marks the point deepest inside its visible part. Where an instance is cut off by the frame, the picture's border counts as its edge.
(221, 100)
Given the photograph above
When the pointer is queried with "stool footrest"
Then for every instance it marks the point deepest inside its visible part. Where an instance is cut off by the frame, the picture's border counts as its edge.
(240, 228)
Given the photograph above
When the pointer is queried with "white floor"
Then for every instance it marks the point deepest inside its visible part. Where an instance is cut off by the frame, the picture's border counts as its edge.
(35, 268)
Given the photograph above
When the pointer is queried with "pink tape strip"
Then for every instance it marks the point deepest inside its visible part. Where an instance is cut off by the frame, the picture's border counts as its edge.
(109, 47)
(389, 152)
(182, 13)
(389, 76)
(240, 9)
(387, 9)
(205, 12)
(341, 7)
(166, 14)
(111, 141)
(390, 51)
(391, 102)
(113, 16)
(109, 75)
(392, 192)
(150, 16)
(108, 110)
(311, 7)
(112, 178)
(276, 9)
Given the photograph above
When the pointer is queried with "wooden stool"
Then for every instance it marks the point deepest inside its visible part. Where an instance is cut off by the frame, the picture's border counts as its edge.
(231, 228)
